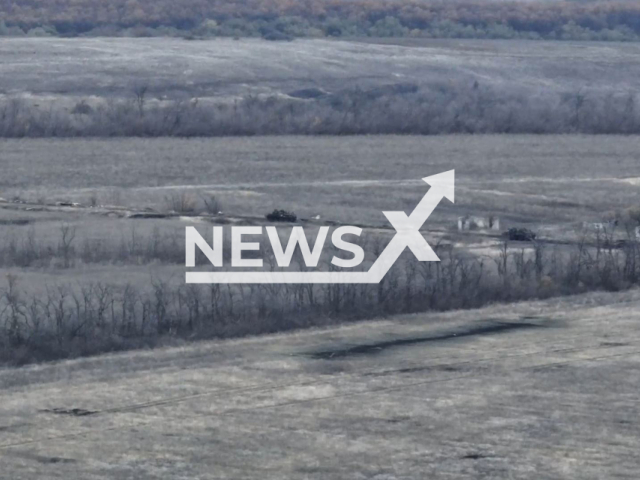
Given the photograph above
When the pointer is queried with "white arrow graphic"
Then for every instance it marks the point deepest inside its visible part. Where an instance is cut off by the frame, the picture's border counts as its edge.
(407, 236)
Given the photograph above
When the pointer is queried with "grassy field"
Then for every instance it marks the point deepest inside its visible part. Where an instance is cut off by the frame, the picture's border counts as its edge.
(50, 69)
(549, 184)
(524, 179)
(508, 359)
(541, 390)
(160, 87)
(505, 360)
(89, 223)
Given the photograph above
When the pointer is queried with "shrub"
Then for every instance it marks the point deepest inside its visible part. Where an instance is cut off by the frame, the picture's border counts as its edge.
(401, 108)
(82, 108)
(182, 202)
(212, 205)
(74, 320)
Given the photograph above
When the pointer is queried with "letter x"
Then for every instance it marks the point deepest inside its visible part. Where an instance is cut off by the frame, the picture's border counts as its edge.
(409, 236)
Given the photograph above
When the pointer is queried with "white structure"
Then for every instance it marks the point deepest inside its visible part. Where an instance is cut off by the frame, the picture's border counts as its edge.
(600, 227)
(469, 222)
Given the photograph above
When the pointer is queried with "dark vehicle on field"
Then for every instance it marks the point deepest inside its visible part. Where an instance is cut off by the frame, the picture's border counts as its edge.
(521, 235)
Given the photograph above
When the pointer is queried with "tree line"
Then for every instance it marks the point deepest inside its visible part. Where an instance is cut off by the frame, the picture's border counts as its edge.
(71, 320)
(398, 109)
(280, 19)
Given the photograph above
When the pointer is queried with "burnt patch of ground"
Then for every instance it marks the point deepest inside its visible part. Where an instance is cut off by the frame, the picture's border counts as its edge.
(14, 221)
(455, 367)
(44, 459)
(74, 412)
(474, 456)
(482, 328)
(613, 344)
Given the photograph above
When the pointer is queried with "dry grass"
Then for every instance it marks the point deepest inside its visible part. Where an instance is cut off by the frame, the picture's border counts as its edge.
(523, 178)
(551, 184)
(223, 87)
(553, 401)
(70, 69)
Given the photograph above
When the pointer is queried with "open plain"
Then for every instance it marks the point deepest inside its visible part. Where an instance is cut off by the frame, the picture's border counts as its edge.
(407, 380)
(525, 178)
(226, 68)
(122, 190)
(541, 390)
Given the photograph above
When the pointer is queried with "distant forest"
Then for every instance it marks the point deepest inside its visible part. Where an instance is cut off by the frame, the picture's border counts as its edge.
(288, 19)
